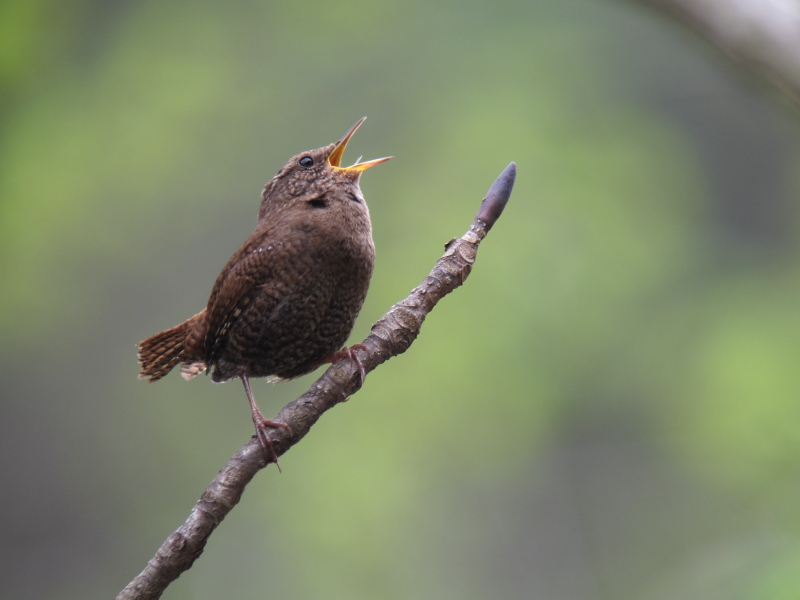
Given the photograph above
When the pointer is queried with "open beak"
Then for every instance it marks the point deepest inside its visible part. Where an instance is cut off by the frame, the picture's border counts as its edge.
(335, 157)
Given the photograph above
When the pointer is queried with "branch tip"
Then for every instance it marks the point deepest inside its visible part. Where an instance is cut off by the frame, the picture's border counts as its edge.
(497, 197)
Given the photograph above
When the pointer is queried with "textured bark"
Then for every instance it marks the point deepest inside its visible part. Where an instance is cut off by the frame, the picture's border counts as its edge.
(390, 336)
(763, 34)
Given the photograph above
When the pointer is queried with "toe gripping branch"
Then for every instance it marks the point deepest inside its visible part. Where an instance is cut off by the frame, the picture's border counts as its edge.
(350, 353)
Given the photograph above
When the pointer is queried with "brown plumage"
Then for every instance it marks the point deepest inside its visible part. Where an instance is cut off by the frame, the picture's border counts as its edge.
(288, 298)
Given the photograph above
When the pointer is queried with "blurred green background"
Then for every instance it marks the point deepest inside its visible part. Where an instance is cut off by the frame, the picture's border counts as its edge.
(607, 410)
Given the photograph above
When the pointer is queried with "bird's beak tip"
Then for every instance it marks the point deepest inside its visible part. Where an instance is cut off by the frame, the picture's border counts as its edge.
(361, 167)
(335, 157)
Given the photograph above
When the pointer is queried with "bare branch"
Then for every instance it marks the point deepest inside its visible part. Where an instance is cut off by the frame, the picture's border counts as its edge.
(764, 34)
(390, 336)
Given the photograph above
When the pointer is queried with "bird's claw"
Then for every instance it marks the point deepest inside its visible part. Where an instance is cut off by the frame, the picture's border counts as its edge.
(350, 352)
(263, 438)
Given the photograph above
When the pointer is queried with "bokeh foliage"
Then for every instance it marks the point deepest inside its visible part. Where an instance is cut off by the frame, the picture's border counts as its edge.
(608, 409)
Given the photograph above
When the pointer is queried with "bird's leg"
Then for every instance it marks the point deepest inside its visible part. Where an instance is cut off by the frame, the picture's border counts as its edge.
(349, 352)
(262, 423)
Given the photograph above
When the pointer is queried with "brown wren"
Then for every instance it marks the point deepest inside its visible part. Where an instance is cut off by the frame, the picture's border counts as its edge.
(288, 298)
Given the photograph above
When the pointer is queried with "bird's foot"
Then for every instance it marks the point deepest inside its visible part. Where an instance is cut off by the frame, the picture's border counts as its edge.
(261, 431)
(350, 352)
(261, 425)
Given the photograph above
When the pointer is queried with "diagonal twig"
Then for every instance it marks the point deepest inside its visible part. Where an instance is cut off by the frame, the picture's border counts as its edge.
(390, 336)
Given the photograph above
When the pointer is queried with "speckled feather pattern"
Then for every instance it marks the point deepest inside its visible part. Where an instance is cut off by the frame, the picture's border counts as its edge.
(290, 295)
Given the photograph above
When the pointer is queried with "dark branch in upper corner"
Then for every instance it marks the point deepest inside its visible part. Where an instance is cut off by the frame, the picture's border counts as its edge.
(390, 336)
(764, 36)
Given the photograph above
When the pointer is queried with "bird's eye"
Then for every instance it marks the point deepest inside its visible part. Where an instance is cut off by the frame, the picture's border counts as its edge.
(306, 161)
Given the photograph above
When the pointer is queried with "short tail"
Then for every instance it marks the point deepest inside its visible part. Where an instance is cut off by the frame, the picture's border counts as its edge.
(159, 354)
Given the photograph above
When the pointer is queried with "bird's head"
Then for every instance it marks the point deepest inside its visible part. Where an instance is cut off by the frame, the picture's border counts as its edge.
(315, 172)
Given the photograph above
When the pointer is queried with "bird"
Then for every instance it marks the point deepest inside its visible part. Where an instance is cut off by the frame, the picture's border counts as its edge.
(287, 300)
